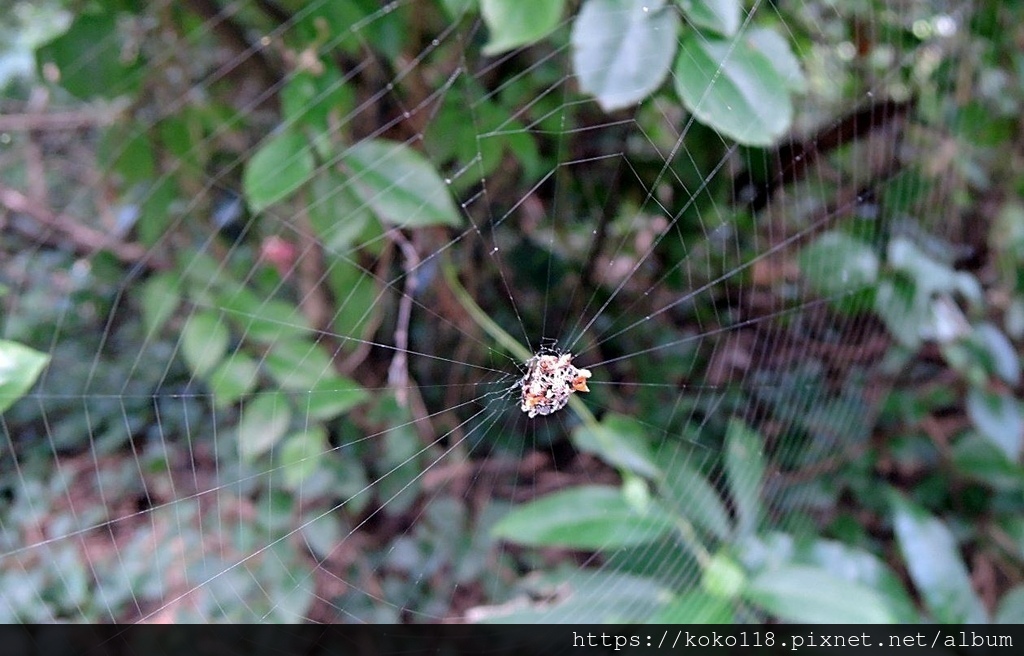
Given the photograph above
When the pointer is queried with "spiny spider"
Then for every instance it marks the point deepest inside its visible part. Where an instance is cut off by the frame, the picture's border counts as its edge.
(549, 381)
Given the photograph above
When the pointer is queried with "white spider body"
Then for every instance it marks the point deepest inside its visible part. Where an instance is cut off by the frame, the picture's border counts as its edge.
(549, 382)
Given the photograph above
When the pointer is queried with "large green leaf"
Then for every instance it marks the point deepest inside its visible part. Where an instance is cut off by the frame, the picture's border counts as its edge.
(812, 594)
(91, 59)
(204, 341)
(264, 422)
(233, 379)
(297, 364)
(734, 88)
(776, 48)
(587, 517)
(692, 495)
(332, 395)
(20, 366)
(836, 263)
(620, 441)
(302, 454)
(744, 465)
(160, 297)
(931, 555)
(514, 23)
(622, 49)
(400, 185)
(282, 164)
(722, 16)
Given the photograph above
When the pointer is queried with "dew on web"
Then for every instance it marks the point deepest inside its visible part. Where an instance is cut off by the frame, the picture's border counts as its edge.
(360, 313)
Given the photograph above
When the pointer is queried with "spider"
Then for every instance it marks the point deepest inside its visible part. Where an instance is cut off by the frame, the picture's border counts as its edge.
(549, 381)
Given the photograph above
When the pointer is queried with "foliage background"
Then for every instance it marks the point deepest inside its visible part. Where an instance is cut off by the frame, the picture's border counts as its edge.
(788, 237)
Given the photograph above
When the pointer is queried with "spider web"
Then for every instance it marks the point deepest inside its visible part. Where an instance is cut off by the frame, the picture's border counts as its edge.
(123, 472)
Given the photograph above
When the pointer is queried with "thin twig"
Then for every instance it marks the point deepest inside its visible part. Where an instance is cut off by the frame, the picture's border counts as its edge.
(74, 120)
(398, 372)
(85, 240)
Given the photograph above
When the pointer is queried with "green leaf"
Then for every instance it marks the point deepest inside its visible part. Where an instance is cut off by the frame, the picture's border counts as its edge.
(333, 395)
(979, 459)
(1011, 607)
(837, 263)
(776, 48)
(587, 517)
(933, 560)
(322, 533)
(161, 295)
(1003, 356)
(282, 164)
(301, 455)
(621, 442)
(268, 320)
(733, 88)
(338, 217)
(233, 379)
(297, 364)
(695, 608)
(20, 367)
(622, 49)
(262, 425)
(997, 416)
(814, 595)
(204, 341)
(400, 185)
(722, 16)
(723, 577)
(744, 465)
(692, 495)
(91, 59)
(514, 23)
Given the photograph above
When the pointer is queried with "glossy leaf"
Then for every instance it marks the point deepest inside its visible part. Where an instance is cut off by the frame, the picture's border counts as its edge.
(587, 517)
(744, 465)
(20, 367)
(997, 416)
(281, 165)
(263, 423)
(401, 186)
(622, 49)
(733, 88)
(621, 442)
(932, 557)
(814, 595)
(836, 263)
(514, 23)
(722, 16)
(204, 342)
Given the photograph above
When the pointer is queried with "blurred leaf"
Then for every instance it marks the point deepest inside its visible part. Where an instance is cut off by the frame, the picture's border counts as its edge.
(1011, 606)
(514, 23)
(933, 561)
(297, 364)
(734, 89)
(692, 495)
(695, 608)
(998, 419)
(722, 16)
(813, 595)
(356, 296)
(322, 534)
(266, 321)
(620, 441)
(723, 577)
(20, 366)
(161, 295)
(204, 341)
(582, 597)
(587, 517)
(333, 395)
(281, 165)
(338, 217)
(301, 455)
(1003, 356)
(262, 425)
(979, 459)
(308, 99)
(622, 49)
(837, 263)
(92, 59)
(233, 379)
(777, 49)
(401, 186)
(744, 465)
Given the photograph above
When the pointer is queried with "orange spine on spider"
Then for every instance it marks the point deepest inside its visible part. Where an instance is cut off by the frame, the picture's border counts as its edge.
(549, 382)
